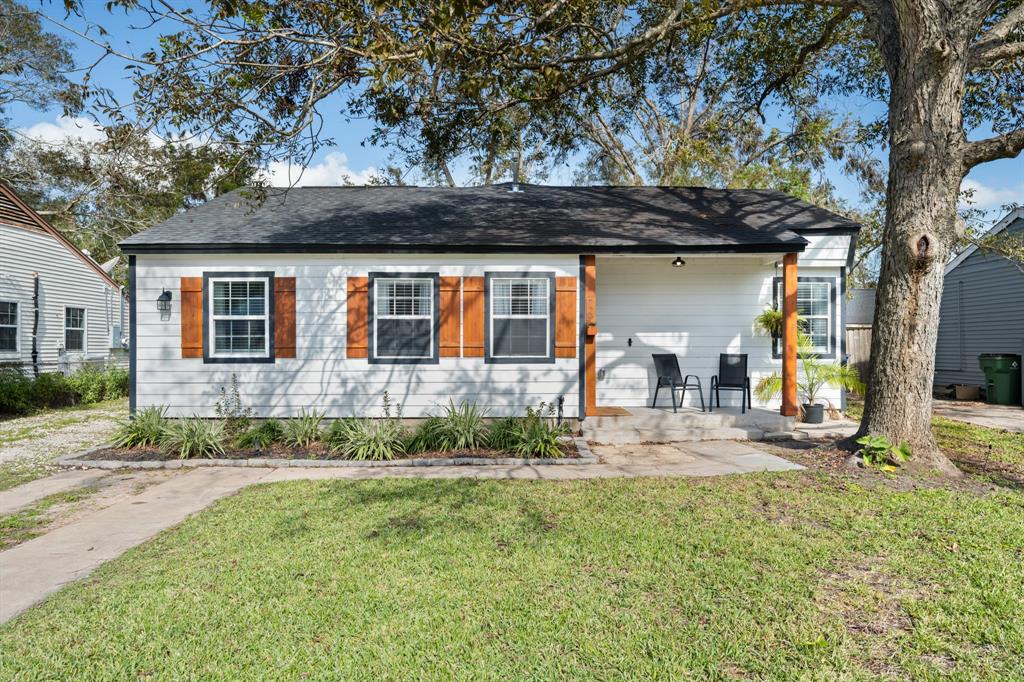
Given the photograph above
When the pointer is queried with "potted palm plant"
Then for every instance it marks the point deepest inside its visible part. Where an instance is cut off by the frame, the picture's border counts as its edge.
(813, 374)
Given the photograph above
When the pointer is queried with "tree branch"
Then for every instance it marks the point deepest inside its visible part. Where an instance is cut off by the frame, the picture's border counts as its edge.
(992, 45)
(1005, 146)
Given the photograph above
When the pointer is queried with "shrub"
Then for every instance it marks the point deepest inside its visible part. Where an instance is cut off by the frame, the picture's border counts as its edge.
(146, 428)
(115, 383)
(230, 409)
(427, 437)
(462, 427)
(262, 436)
(367, 439)
(538, 438)
(88, 384)
(53, 389)
(193, 437)
(503, 434)
(15, 392)
(304, 430)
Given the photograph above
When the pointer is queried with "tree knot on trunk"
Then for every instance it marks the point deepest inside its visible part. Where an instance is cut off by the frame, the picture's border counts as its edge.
(923, 249)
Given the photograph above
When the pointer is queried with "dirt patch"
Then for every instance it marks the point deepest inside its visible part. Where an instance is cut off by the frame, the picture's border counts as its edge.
(276, 451)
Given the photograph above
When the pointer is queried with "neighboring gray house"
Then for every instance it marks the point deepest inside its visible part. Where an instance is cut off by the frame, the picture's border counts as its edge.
(982, 309)
(58, 307)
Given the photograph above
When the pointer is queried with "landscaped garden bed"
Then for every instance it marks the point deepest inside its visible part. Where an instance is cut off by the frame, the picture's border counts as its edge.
(461, 435)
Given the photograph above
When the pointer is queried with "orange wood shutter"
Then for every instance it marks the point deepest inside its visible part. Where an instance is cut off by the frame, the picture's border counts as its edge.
(451, 317)
(284, 317)
(566, 304)
(358, 307)
(473, 317)
(191, 317)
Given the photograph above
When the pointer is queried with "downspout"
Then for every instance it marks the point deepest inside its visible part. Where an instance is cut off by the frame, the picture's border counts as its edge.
(35, 324)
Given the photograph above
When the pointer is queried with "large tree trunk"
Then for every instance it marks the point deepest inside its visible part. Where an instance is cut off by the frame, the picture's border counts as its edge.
(926, 136)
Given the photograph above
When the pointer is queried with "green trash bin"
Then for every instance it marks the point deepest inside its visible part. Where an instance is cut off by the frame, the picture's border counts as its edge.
(1002, 377)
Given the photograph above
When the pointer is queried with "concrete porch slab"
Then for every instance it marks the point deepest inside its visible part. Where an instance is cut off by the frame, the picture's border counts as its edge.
(662, 425)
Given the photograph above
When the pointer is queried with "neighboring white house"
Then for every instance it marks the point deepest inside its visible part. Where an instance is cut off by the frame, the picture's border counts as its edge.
(982, 309)
(326, 297)
(58, 307)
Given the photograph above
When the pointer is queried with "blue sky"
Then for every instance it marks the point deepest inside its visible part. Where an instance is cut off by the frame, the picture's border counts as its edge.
(995, 183)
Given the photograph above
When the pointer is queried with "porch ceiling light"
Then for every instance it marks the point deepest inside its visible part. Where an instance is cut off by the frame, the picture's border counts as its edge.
(678, 262)
(163, 301)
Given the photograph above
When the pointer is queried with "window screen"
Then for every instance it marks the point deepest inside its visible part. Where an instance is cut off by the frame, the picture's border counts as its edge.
(239, 317)
(8, 326)
(403, 318)
(74, 329)
(520, 317)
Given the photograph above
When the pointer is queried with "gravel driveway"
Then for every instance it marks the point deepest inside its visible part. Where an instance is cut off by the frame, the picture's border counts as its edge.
(44, 437)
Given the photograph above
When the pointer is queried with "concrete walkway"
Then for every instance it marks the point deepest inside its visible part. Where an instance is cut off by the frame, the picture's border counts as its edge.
(1005, 417)
(32, 570)
(29, 493)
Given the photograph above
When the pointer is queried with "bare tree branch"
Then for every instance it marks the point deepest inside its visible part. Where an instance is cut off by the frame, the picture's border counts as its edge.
(999, 147)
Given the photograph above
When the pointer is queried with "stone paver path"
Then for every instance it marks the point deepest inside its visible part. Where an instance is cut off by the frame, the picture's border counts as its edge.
(31, 571)
(1005, 417)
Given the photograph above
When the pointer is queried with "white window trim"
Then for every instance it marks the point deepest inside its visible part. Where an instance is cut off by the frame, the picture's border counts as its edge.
(546, 316)
(429, 317)
(84, 328)
(212, 320)
(17, 330)
(828, 317)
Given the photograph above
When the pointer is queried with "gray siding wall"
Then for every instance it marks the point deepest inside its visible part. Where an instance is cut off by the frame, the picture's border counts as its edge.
(982, 311)
(64, 280)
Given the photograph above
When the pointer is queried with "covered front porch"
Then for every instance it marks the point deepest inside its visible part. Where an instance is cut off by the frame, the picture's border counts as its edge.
(694, 310)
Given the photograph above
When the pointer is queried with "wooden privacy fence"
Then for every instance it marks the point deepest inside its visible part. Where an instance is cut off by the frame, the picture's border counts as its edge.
(858, 349)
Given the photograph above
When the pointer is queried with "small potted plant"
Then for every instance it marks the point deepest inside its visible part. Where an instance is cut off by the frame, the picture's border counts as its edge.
(813, 375)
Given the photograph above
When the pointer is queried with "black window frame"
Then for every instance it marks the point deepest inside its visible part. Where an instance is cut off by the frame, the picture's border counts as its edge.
(833, 319)
(489, 358)
(84, 329)
(17, 329)
(208, 357)
(371, 319)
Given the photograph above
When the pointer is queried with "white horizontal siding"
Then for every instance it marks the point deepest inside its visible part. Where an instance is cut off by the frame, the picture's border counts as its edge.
(825, 251)
(64, 280)
(321, 377)
(696, 312)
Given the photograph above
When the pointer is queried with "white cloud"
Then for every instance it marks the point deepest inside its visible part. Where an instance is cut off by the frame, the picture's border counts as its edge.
(332, 170)
(985, 197)
(63, 129)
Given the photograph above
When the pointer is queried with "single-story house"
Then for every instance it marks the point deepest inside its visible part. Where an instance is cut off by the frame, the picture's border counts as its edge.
(506, 295)
(982, 309)
(58, 307)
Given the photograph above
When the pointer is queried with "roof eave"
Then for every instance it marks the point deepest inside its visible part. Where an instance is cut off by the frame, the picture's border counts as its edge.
(656, 249)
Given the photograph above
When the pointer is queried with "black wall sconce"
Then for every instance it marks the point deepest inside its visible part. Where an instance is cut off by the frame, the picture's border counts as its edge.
(163, 302)
(678, 262)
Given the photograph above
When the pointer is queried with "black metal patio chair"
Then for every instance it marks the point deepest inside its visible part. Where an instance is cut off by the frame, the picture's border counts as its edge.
(669, 376)
(732, 376)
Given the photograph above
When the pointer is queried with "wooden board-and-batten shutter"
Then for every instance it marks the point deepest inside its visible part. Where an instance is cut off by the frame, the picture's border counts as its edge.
(566, 305)
(450, 334)
(473, 317)
(191, 317)
(357, 316)
(284, 317)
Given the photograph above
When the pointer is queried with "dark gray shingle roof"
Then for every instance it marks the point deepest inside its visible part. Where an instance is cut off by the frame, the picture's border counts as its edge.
(537, 218)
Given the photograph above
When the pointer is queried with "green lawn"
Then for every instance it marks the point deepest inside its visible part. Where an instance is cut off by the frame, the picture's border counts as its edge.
(801, 574)
(31, 522)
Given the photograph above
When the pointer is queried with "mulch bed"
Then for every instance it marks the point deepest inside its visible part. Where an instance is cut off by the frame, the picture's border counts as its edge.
(316, 451)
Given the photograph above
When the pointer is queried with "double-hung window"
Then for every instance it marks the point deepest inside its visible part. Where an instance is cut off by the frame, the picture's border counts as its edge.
(520, 318)
(404, 318)
(8, 327)
(239, 317)
(816, 310)
(74, 330)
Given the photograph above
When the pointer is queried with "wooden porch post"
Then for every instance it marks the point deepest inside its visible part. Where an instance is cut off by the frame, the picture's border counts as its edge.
(789, 331)
(590, 332)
